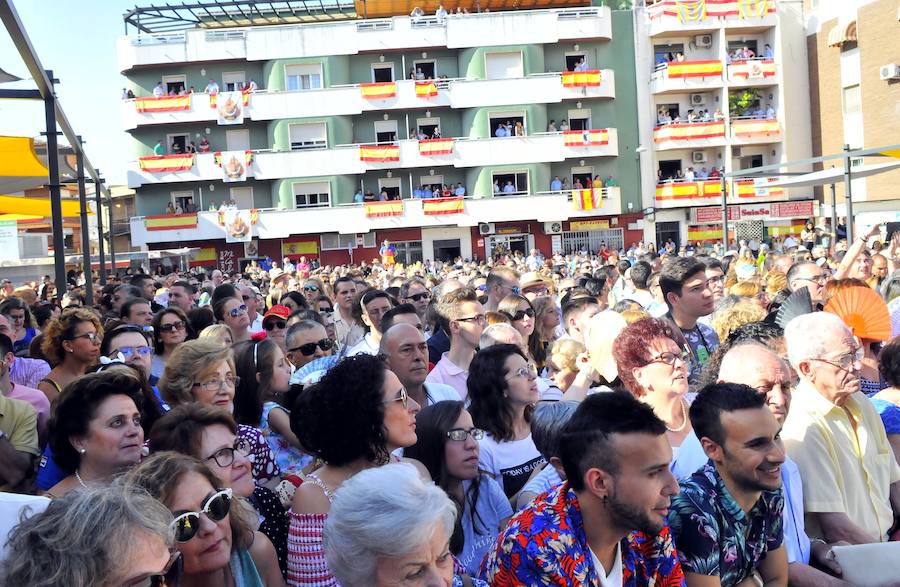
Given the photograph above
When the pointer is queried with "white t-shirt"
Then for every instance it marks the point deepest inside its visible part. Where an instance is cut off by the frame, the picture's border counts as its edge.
(439, 392)
(614, 578)
(366, 346)
(11, 506)
(509, 462)
(256, 325)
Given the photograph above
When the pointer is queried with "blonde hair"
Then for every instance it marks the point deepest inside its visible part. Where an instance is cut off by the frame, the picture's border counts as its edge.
(215, 332)
(564, 353)
(63, 328)
(775, 282)
(745, 289)
(190, 361)
(729, 320)
(634, 315)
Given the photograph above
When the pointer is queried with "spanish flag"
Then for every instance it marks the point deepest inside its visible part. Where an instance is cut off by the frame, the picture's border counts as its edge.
(214, 100)
(580, 138)
(676, 191)
(587, 199)
(755, 127)
(755, 68)
(686, 69)
(205, 256)
(163, 104)
(299, 248)
(378, 91)
(166, 163)
(795, 227)
(383, 209)
(429, 147)
(749, 189)
(170, 221)
(709, 232)
(688, 131)
(710, 189)
(426, 89)
(581, 79)
(379, 153)
(442, 206)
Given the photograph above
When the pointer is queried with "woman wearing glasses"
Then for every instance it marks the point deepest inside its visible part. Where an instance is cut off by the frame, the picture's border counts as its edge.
(503, 390)
(448, 447)
(210, 435)
(71, 345)
(313, 289)
(217, 545)
(354, 418)
(203, 371)
(170, 329)
(232, 312)
(521, 315)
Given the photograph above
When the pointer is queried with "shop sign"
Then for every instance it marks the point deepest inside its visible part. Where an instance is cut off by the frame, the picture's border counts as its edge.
(510, 230)
(589, 225)
(793, 209)
(480, 242)
(714, 214)
(754, 212)
(556, 243)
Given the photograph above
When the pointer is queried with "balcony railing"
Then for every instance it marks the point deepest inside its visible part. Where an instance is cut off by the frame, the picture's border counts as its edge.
(697, 11)
(752, 71)
(680, 192)
(689, 132)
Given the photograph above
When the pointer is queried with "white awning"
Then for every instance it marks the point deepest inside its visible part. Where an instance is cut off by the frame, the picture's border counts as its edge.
(831, 175)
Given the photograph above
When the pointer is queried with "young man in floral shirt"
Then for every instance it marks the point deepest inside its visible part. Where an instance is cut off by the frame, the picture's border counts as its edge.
(605, 526)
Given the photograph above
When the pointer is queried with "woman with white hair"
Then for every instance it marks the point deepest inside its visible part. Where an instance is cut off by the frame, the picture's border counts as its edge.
(388, 527)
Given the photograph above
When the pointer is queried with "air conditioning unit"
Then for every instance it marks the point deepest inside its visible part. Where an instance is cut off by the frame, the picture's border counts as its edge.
(697, 99)
(889, 72)
(486, 228)
(552, 227)
(735, 151)
(698, 156)
(703, 40)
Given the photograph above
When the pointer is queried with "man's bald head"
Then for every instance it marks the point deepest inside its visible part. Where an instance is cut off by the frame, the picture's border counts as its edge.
(752, 364)
(399, 332)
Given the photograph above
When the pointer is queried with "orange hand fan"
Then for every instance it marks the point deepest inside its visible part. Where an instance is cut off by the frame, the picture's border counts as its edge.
(863, 311)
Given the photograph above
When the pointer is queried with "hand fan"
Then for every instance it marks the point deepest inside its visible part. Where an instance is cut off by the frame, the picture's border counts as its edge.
(863, 311)
(797, 304)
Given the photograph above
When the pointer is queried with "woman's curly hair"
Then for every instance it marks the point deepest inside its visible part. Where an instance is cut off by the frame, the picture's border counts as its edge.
(63, 328)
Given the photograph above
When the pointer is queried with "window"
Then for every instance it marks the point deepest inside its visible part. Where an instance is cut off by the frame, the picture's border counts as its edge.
(336, 242)
(507, 118)
(312, 195)
(510, 182)
(662, 54)
(174, 83)
(369, 240)
(429, 68)
(385, 131)
(583, 174)
(503, 65)
(391, 186)
(432, 182)
(739, 45)
(428, 125)
(237, 139)
(233, 81)
(669, 169)
(184, 200)
(242, 198)
(308, 136)
(572, 60)
(853, 121)
(408, 252)
(303, 77)
(666, 231)
(751, 161)
(382, 72)
(592, 239)
(673, 110)
(176, 143)
(580, 119)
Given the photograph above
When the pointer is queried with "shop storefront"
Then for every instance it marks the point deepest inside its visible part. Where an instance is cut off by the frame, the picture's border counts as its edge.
(760, 222)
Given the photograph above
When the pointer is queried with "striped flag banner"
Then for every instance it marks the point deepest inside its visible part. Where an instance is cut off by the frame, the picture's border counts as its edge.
(299, 248)
(755, 127)
(684, 69)
(166, 163)
(749, 189)
(688, 131)
(753, 69)
(430, 147)
(710, 189)
(587, 199)
(578, 138)
(440, 206)
(581, 79)
(676, 191)
(708, 232)
(700, 9)
(171, 221)
(426, 89)
(163, 104)
(214, 99)
(379, 153)
(383, 209)
(794, 227)
(378, 90)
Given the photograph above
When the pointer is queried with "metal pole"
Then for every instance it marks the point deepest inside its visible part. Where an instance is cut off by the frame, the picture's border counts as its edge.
(85, 235)
(724, 210)
(112, 237)
(99, 203)
(59, 245)
(833, 239)
(848, 195)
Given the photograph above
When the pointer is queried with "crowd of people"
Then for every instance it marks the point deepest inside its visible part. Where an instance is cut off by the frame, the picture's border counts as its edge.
(634, 417)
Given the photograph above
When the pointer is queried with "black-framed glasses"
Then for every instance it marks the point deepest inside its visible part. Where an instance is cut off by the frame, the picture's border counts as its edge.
(215, 508)
(156, 579)
(527, 372)
(478, 319)
(309, 348)
(272, 325)
(460, 434)
(93, 337)
(846, 360)
(419, 296)
(670, 358)
(520, 314)
(402, 397)
(235, 312)
(217, 384)
(172, 326)
(224, 457)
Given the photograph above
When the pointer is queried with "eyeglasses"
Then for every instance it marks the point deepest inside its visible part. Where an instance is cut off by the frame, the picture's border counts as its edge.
(217, 384)
(246, 298)
(419, 296)
(402, 397)
(19, 318)
(224, 457)
(130, 351)
(516, 290)
(460, 434)
(479, 319)
(309, 348)
(94, 337)
(156, 579)
(172, 326)
(326, 310)
(527, 372)
(216, 508)
(520, 314)
(821, 279)
(311, 288)
(279, 324)
(845, 361)
(235, 312)
(670, 358)
(716, 280)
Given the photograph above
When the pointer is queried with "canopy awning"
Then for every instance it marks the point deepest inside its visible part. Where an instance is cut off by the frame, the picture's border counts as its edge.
(37, 206)
(832, 175)
(842, 33)
(18, 159)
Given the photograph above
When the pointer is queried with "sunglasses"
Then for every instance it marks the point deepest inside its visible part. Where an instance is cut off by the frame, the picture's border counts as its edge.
(129, 351)
(279, 324)
(402, 397)
(420, 296)
(216, 508)
(310, 288)
(156, 579)
(172, 326)
(520, 314)
(309, 348)
(235, 312)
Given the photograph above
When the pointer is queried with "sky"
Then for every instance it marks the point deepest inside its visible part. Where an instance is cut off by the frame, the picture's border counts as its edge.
(77, 40)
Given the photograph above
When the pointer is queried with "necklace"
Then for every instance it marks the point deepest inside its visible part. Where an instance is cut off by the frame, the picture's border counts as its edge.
(684, 419)
(80, 480)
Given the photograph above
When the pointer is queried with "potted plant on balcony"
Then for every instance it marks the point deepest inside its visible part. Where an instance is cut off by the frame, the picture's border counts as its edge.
(740, 102)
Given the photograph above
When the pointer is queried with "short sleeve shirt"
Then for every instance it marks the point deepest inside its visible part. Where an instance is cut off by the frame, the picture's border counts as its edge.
(510, 462)
(18, 420)
(481, 524)
(714, 535)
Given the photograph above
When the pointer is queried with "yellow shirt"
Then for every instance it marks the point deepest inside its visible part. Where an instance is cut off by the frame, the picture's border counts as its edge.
(18, 420)
(843, 471)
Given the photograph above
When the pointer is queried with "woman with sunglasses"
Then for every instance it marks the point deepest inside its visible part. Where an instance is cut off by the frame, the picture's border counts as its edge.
(354, 418)
(217, 545)
(503, 390)
(22, 323)
(71, 345)
(448, 447)
(259, 400)
(313, 289)
(232, 312)
(203, 371)
(170, 329)
(210, 435)
(521, 315)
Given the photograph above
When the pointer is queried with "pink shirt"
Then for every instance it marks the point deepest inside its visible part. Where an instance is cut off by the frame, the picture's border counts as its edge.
(449, 374)
(38, 400)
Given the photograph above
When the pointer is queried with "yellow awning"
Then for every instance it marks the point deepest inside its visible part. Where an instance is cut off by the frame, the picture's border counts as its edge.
(19, 217)
(842, 33)
(36, 206)
(895, 153)
(17, 158)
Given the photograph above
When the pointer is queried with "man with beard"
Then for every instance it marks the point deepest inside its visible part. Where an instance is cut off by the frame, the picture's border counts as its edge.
(606, 525)
(727, 520)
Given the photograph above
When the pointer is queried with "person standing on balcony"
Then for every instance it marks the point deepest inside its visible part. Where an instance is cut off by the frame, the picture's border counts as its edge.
(520, 130)
(770, 112)
(212, 88)
(501, 131)
(158, 148)
(563, 125)
(159, 91)
(767, 52)
(441, 14)
(556, 184)
(252, 86)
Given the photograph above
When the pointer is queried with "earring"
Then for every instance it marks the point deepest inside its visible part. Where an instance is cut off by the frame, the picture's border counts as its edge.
(605, 500)
(82, 451)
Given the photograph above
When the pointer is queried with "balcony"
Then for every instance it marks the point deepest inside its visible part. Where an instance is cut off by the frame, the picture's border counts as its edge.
(679, 194)
(683, 16)
(358, 36)
(345, 219)
(347, 159)
(752, 73)
(348, 100)
(684, 135)
(754, 131)
(686, 76)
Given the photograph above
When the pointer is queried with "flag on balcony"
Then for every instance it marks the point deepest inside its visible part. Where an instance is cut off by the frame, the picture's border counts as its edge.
(580, 138)
(691, 10)
(171, 221)
(581, 79)
(686, 69)
(709, 232)
(754, 8)
(587, 199)
(689, 131)
(751, 189)
(214, 99)
(378, 90)
(379, 153)
(755, 127)
(676, 191)
(710, 189)
(794, 227)
(383, 209)
(163, 104)
(166, 163)
(753, 69)
(426, 89)
(429, 147)
(442, 206)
